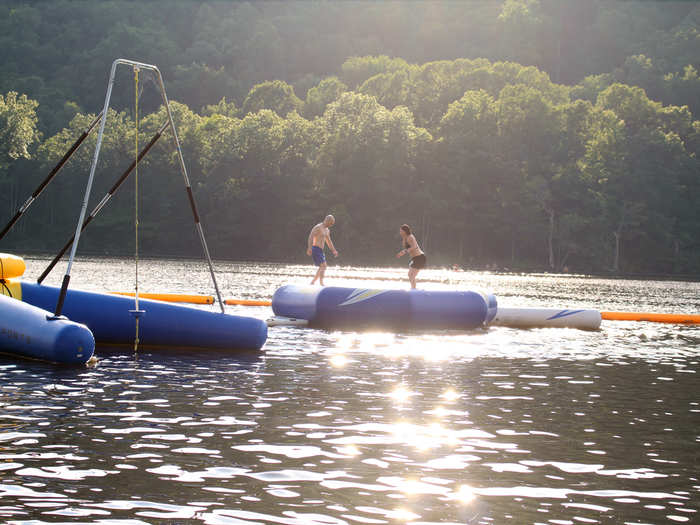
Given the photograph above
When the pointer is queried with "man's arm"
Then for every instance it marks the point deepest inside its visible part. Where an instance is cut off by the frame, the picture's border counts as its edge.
(330, 244)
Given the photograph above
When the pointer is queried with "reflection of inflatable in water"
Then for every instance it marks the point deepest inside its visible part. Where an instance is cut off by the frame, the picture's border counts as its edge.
(162, 325)
(28, 331)
(331, 307)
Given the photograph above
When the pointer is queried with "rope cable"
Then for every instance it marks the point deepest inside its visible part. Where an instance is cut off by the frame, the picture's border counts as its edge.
(137, 312)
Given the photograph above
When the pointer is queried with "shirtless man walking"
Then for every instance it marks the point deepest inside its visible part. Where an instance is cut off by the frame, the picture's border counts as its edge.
(319, 236)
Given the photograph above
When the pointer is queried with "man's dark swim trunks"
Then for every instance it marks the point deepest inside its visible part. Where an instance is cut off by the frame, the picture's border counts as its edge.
(317, 255)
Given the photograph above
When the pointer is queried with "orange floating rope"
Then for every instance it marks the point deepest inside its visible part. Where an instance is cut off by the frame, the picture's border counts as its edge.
(651, 317)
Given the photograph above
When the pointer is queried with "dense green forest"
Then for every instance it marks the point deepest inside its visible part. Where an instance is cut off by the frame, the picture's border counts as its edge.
(523, 134)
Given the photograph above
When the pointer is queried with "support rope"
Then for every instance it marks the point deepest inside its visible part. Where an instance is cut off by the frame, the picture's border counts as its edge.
(136, 312)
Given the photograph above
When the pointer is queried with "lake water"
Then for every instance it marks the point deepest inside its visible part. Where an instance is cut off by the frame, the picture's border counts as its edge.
(551, 426)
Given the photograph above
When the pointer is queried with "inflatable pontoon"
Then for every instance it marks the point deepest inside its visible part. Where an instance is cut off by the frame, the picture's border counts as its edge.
(547, 318)
(162, 325)
(30, 332)
(336, 307)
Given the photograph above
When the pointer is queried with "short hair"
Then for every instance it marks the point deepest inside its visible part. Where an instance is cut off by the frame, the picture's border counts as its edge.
(329, 217)
(406, 228)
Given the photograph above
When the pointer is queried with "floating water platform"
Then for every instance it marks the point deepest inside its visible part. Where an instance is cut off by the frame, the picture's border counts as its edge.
(336, 307)
(163, 325)
(30, 332)
(547, 318)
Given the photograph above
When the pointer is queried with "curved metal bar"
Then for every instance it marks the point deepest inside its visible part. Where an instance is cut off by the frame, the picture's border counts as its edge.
(183, 169)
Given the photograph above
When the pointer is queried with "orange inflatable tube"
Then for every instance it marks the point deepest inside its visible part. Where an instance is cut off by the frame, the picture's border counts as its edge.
(248, 302)
(194, 299)
(172, 297)
(651, 317)
(11, 266)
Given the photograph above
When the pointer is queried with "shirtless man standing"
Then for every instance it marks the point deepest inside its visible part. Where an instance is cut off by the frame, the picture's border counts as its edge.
(319, 236)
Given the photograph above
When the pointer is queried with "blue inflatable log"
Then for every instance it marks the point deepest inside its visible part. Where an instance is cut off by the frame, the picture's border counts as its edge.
(330, 307)
(163, 324)
(29, 332)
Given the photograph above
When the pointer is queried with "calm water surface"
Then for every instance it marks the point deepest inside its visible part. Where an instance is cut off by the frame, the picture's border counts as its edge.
(550, 426)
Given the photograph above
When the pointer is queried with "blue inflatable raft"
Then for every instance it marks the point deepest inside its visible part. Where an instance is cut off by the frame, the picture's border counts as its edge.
(163, 324)
(331, 307)
(29, 332)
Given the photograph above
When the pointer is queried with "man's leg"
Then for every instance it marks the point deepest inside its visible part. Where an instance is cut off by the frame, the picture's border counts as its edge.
(318, 273)
(321, 272)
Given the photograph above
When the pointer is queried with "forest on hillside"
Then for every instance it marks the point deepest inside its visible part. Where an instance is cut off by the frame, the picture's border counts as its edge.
(523, 134)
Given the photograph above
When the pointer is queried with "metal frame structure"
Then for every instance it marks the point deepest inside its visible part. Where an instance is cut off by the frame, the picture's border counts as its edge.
(183, 169)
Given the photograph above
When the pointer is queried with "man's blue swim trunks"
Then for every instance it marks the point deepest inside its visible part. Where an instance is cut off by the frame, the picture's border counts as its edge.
(317, 255)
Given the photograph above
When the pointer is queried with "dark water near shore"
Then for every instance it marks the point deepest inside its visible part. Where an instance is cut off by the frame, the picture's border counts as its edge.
(492, 426)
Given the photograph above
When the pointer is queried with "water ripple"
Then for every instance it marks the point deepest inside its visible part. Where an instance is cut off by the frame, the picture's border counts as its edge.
(491, 426)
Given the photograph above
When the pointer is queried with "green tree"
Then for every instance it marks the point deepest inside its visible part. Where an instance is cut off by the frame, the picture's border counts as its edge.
(18, 129)
(637, 156)
(64, 196)
(471, 175)
(356, 70)
(18, 132)
(522, 22)
(390, 89)
(197, 85)
(365, 170)
(318, 97)
(277, 96)
(529, 129)
(223, 107)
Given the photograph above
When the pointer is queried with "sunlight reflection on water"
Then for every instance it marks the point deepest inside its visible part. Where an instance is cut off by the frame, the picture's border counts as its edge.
(489, 426)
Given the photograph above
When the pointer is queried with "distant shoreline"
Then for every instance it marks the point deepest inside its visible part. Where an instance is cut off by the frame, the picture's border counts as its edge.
(483, 269)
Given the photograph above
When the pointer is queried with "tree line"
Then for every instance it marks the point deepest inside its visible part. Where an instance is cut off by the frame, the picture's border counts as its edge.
(520, 164)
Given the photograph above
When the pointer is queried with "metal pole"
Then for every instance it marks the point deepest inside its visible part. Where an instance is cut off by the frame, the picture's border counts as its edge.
(102, 203)
(83, 209)
(50, 176)
(188, 187)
